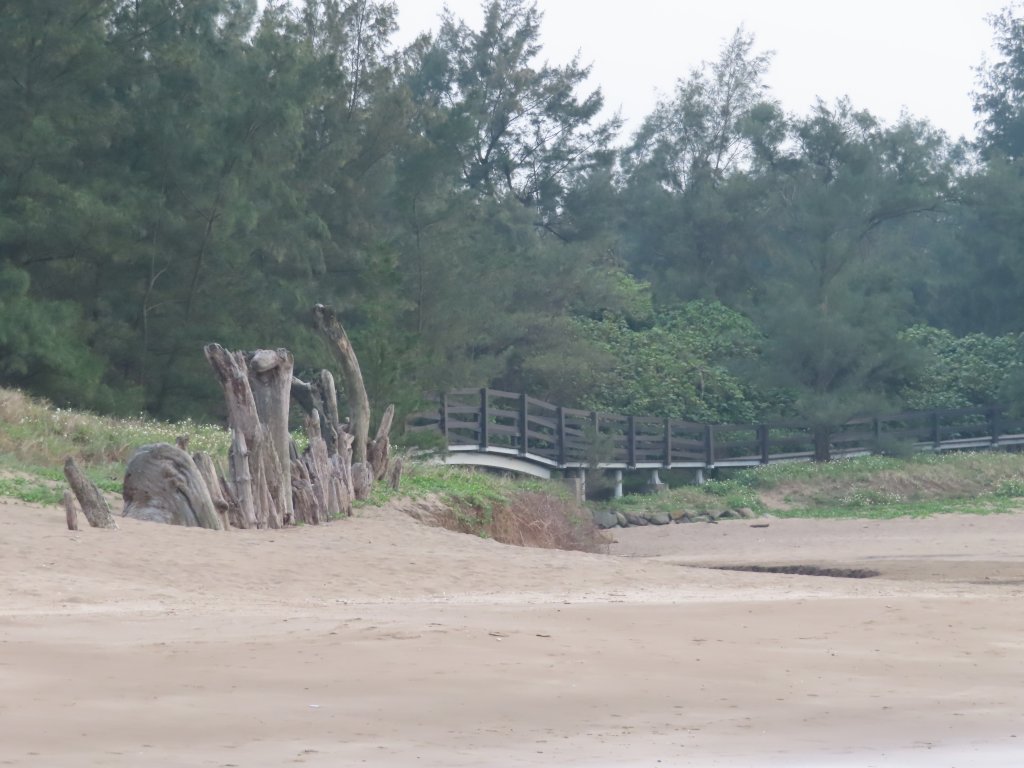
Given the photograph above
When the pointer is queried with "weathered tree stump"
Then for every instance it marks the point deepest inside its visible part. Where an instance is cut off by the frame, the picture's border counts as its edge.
(163, 484)
(270, 378)
(260, 470)
(94, 506)
(70, 512)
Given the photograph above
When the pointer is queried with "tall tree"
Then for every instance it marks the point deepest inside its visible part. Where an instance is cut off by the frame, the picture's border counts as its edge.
(833, 304)
(688, 174)
(518, 127)
(999, 100)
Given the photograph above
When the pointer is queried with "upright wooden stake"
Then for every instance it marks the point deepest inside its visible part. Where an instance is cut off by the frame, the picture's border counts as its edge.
(94, 506)
(70, 512)
(355, 391)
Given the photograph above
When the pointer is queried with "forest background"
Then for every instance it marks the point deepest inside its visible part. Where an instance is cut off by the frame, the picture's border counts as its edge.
(174, 172)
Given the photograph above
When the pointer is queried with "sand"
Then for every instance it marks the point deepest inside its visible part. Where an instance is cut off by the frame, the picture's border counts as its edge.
(381, 641)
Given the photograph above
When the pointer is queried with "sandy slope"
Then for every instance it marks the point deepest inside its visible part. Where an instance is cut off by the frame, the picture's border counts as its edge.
(380, 641)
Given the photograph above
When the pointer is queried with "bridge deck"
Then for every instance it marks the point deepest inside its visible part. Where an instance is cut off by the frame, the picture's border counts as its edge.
(513, 430)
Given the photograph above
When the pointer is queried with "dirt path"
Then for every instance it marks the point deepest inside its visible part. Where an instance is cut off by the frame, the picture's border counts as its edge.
(383, 642)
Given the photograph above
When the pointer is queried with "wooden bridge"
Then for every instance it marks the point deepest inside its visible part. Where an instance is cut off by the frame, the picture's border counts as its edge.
(516, 432)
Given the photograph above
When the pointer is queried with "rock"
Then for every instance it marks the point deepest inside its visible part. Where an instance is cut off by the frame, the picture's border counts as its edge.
(660, 518)
(746, 513)
(634, 519)
(605, 518)
(727, 514)
(622, 519)
(685, 516)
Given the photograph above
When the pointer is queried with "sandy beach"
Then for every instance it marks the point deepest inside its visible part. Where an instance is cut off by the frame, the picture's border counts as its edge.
(381, 641)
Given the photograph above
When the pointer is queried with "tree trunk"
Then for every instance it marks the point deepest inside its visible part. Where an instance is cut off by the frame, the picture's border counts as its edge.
(233, 374)
(260, 480)
(270, 378)
(163, 484)
(94, 506)
(355, 392)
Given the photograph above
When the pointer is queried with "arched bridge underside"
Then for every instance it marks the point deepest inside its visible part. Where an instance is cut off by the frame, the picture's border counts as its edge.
(518, 433)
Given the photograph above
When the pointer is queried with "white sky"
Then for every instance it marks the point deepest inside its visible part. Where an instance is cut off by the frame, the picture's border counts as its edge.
(886, 55)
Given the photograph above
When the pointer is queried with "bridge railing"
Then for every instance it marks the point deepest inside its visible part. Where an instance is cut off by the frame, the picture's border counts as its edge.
(495, 421)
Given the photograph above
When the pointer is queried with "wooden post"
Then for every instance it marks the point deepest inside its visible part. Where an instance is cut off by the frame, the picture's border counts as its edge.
(378, 452)
(822, 435)
(709, 445)
(524, 425)
(994, 424)
(561, 435)
(668, 443)
(355, 391)
(94, 506)
(631, 441)
(444, 416)
(936, 430)
(70, 513)
(483, 419)
(762, 439)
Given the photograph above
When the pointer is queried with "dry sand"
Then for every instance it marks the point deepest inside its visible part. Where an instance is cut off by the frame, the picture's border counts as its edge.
(383, 642)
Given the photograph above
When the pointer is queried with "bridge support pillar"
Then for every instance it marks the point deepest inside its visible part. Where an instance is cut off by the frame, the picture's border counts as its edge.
(699, 478)
(577, 484)
(618, 483)
(654, 484)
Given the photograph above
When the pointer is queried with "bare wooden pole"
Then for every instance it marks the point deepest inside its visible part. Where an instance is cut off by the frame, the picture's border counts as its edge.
(355, 391)
(379, 451)
(70, 512)
(94, 506)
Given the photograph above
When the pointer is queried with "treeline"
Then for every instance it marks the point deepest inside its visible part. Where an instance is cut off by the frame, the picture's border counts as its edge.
(175, 172)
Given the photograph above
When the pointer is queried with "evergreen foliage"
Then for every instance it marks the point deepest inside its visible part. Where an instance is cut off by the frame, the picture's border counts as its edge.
(173, 173)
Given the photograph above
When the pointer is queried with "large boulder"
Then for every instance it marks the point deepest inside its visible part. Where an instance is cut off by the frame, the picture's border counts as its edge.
(605, 518)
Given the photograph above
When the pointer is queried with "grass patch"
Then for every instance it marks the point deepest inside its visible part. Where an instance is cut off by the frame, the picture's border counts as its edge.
(36, 437)
(872, 487)
(520, 511)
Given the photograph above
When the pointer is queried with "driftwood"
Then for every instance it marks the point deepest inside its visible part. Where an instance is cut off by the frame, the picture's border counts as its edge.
(268, 488)
(330, 476)
(239, 481)
(94, 506)
(208, 471)
(307, 507)
(379, 450)
(355, 392)
(362, 480)
(395, 474)
(163, 484)
(270, 378)
(259, 478)
(70, 511)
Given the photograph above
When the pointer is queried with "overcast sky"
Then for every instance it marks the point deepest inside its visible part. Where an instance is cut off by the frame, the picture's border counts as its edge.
(886, 55)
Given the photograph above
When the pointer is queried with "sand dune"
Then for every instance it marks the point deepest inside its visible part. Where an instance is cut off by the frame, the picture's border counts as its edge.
(384, 642)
